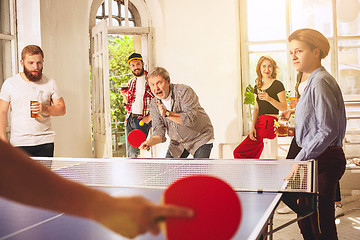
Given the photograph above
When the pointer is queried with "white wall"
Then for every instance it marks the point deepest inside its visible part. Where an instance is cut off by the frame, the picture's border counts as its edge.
(198, 43)
(28, 24)
(65, 41)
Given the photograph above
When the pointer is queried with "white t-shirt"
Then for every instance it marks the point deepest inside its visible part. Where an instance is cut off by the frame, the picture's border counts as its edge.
(302, 87)
(167, 102)
(27, 131)
(138, 104)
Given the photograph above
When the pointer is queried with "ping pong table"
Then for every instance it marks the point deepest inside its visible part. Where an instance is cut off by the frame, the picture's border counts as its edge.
(259, 185)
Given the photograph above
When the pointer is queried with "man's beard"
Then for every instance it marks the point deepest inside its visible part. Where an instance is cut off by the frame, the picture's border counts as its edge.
(141, 72)
(31, 77)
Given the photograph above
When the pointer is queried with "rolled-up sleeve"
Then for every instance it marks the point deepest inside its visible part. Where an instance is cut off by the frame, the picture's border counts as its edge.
(190, 106)
(158, 123)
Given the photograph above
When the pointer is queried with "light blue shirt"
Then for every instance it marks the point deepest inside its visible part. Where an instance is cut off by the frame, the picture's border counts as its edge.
(320, 120)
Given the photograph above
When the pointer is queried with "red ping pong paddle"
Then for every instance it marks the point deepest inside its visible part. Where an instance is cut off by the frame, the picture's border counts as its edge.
(136, 138)
(216, 205)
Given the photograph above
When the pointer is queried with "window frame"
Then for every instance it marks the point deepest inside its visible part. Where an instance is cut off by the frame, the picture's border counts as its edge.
(12, 38)
(140, 30)
(290, 75)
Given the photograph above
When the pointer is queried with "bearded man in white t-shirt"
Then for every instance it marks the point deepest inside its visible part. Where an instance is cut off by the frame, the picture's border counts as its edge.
(31, 132)
(137, 102)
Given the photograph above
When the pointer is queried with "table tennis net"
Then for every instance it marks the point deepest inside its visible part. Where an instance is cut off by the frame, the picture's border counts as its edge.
(242, 175)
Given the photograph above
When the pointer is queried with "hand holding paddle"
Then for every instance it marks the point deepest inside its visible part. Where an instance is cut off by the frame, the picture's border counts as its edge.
(216, 205)
(135, 215)
(155, 139)
(136, 138)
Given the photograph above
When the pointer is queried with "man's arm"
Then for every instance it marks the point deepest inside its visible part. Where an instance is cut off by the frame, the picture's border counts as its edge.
(147, 119)
(56, 109)
(4, 108)
(173, 116)
(155, 139)
(26, 181)
(190, 106)
(158, 123)
(125, 97)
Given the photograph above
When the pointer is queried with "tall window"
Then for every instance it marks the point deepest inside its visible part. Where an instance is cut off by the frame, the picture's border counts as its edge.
(8, 54)
(125, 36)
(7, 40)
(118, 13)
(268, 24)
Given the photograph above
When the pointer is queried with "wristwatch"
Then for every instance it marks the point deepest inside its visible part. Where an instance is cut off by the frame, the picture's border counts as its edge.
(167, 113)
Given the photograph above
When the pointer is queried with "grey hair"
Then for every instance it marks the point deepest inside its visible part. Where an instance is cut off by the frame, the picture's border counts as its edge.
(158, 71)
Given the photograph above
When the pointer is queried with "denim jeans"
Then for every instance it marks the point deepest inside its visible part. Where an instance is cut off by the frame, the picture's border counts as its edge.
(132, 124)
(202, 152)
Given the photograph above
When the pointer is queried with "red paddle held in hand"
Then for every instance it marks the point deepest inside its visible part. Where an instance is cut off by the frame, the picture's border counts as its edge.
(216, 205)
(136, 138)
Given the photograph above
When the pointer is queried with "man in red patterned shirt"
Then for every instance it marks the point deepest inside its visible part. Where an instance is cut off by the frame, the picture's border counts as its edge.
(136, 101)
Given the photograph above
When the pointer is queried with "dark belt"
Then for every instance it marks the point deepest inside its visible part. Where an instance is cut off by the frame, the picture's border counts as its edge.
(334, 148)
(136, 115)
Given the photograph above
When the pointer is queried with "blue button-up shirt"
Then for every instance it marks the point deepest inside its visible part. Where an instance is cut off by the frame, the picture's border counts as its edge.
(320, 120)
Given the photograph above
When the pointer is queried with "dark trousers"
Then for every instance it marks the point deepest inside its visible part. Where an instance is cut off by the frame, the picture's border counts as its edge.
(202, 152)
(294, 150)
(331, 166)
(338, 193)
(253, 149)
(42, 150)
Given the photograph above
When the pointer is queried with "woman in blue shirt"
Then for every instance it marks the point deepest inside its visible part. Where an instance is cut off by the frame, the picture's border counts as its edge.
(320, 125)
